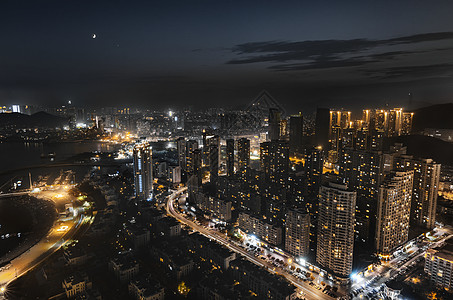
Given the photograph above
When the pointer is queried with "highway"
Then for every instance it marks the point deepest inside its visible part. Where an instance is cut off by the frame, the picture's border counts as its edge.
(61, 232)
(308, 291)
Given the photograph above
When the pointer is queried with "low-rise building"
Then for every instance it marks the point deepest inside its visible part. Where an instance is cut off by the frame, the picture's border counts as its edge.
(138, 236)
(146, 289)
(75, 256)
(168, 227)
(211, 251)
(125, 267)
(214, 206)
(176, 262)
(263, 229)
(76, 284)
(266, 285)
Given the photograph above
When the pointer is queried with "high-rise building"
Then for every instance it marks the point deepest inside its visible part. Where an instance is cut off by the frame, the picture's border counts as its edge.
(181, 148)
(322, 124)
(191, 145)
(296, 132)
(243, 153)
(336, 228)
(426, 186)
(214, 162)
(230, 157)
(197, 170)
(265, 160)
(274, 124)
(339, 120)
(274, 159)
(394, 205)
(406, 127)
(297, 238)
(390, 122)
(284, 129)
(143, 171)
(363, 171)
(313, 169)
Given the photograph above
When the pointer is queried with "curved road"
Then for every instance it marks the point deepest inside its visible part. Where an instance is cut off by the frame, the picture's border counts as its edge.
(309, 291)
(58, 235)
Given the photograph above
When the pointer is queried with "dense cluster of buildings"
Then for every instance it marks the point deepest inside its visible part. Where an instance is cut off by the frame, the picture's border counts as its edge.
(314, 194)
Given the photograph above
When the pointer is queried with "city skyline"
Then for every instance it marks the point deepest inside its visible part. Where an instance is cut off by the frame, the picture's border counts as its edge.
(199, 150)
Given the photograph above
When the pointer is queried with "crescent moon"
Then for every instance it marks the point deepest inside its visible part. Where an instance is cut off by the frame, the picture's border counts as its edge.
(94, 35)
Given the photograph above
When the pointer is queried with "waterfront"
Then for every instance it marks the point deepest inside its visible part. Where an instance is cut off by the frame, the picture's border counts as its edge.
(15, 218)
(14, 155)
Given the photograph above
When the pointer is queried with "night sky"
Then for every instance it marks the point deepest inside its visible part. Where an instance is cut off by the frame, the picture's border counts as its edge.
(167, 54)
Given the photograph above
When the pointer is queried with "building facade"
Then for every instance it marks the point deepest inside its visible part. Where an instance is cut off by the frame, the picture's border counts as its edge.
(297, 235)
(336, 228)
(394, 203)
(143, 171)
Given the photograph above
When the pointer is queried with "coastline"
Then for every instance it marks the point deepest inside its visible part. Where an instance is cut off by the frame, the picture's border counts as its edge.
(40, 216)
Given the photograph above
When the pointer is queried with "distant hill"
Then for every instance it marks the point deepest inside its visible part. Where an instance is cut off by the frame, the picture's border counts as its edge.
(40, 119)
(425, 147)
(435, 116)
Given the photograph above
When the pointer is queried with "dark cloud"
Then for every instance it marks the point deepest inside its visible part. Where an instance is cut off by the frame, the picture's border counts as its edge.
(421, 71)
(324, 54)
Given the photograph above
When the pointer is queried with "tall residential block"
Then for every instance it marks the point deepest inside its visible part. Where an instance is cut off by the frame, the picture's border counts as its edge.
(363, 171)
(394, 205)
(181, 148)
(297, 236)
(214, 162)
(243, 153)
(274, 160)
(191, 146)
(336, 228)
(426, 186)
(230, 157)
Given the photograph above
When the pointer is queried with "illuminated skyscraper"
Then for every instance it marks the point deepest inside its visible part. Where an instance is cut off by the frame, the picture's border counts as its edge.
(406, 127)
(394, 204)
(191, 146)
(390, 122)
(243, 153)
(274, 159)
(230, 157)
(143, 171)
(426, 186)
(297, 239)
(336, 228)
